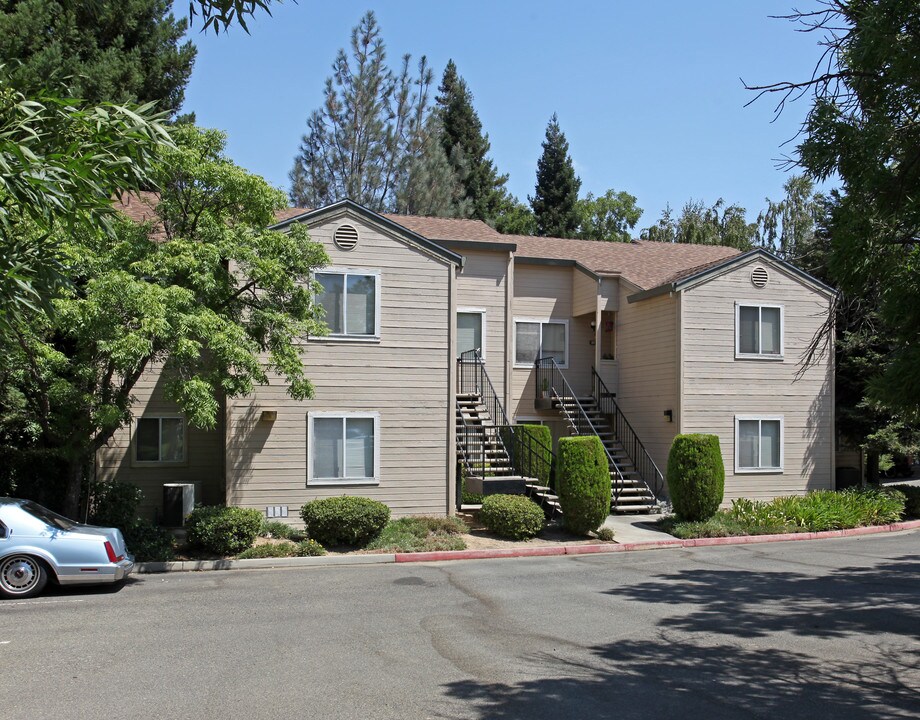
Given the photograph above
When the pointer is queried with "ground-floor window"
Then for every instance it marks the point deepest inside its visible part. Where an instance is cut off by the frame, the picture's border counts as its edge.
(159, 440)
(343, 448)
(758, 443)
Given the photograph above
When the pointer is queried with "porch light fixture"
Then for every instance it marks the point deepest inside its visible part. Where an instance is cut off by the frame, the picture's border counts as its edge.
(669, 415)
(268, 416)
(593, 325)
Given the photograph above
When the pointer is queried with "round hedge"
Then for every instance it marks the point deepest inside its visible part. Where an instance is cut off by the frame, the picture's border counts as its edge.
(344, 520)
(696, 476)
(511, 516)
(583, 481)
(223, 530)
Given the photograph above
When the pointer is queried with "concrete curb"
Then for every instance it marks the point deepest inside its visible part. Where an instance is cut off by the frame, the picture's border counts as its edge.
(498, 553)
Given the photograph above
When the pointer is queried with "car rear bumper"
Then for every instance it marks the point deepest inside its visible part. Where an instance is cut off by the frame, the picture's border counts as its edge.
(90, 574)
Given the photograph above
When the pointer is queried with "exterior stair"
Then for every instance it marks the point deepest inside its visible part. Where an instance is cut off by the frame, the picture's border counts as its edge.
(629, 491)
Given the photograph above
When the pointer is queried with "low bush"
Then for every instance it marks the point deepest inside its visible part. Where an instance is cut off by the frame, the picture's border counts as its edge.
(310, 548)
(604, 533)
(815, 512)
(283, 550)
(149, 543)
(276, 529)
(696, 476)
(912, 497)
(223, 530)
(421, 534)
(344, 520)
(512, 516)
(583, 483)
(114, 504)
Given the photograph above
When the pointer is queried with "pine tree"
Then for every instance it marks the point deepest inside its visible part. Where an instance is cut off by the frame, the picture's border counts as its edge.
(467, 147)
(122, 52)
(430, 186)
(555, 200)
(358, 144)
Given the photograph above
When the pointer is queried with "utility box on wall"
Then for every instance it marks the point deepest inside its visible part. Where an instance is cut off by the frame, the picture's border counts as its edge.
(178, 503)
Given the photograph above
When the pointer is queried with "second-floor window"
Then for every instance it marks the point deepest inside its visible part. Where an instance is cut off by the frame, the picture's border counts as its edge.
(351, 300)
(758, 331)
(535, 339)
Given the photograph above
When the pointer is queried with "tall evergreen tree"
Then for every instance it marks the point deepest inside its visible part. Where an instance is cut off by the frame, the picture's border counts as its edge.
(555, 200)
(429, 184)
(467, 147)
(123, 52)
(358, 143)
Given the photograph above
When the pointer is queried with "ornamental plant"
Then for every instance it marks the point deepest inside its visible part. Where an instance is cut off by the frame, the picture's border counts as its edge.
(583, 483)
(696, 476)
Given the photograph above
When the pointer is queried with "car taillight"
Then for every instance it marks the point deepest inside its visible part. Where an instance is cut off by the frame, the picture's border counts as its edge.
(110, 551)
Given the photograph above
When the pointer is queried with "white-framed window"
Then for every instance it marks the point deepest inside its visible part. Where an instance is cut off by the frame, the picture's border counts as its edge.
(540, 338)
(471, 330)
(343, 448)
(758, 331)
(759, 443)
(351, 299)
(159, 440)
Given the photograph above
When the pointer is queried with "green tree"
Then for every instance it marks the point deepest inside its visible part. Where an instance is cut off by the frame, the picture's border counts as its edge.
(515, 218)
(787, 228)
(429, 185)
(122, 52)
(359, 143)
(217, 301)
(701, 225)
(864, 128)
(611, 216)
(555, 199)
(467, 147)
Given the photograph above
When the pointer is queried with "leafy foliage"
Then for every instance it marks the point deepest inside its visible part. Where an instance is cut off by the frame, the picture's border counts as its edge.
(539, 462)
(276, 529)
(696, 476)
(512, 516)
(701, 225)
(149, 543)
(284, 549)
(583, 483)
(421, 534)
(611, 216)
(129, 51)
(815, 512)
(222, 14)
(362, 143)
(911, 495)
(344, 520)
(216, 300)
(114, 504)
(223, 530)
(555, 199)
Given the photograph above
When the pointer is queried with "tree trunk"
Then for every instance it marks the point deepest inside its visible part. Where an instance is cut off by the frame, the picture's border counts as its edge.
(71, 508)
(872, 467)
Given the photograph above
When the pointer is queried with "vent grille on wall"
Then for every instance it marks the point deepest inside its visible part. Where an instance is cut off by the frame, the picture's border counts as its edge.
(759, 277)
(346, 237)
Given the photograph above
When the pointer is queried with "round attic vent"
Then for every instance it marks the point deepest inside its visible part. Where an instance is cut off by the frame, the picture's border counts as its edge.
(759, 277)
(345, 237)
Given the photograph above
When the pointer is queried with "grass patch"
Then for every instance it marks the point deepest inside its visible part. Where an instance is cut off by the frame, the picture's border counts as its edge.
(421, 534)
(815, 512)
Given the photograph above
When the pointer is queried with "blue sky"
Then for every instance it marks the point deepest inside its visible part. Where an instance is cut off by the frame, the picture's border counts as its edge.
(648, 93)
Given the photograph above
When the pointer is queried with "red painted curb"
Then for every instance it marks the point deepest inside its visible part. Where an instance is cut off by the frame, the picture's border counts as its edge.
(652, 545)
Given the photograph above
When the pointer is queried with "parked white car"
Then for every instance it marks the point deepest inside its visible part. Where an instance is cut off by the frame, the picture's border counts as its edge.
(38, 545)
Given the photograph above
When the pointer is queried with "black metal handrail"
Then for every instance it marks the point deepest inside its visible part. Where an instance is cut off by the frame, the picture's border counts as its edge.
(552, 383)
(627, 437)
(529, 456)
(474, 380)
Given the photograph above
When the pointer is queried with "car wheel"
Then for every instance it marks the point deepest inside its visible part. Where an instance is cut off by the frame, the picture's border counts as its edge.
(22, 576)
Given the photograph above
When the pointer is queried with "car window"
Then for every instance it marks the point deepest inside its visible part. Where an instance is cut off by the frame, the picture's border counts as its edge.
(2, 531)
(46, 516)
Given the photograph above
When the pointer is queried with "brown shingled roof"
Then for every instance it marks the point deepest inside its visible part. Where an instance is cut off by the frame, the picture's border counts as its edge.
(439, 228)
(646, 264)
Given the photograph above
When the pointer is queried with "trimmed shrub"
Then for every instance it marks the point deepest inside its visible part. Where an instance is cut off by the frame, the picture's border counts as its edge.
(149, 543)
(344, 520)
(539, 463)
(310, 548)
(512, 516)
(583, 483)
(912, 495)
(223, 530)
(114, 504)
(696, 476)
(283, 549)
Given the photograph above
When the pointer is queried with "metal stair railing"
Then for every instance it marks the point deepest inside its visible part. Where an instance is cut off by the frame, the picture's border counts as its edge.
(627, 437)
(551, 380)
(474, 380)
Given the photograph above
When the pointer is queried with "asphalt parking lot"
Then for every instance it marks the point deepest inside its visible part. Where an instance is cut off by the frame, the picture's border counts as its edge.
(823, 629)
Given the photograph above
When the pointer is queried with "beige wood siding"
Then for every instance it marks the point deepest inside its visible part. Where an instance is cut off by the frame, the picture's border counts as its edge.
(717, 387)
(545, 292)
(610, 294)
(405, 377)
(204, 453)
(584, 293)
(647, 370)
(483, 283)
